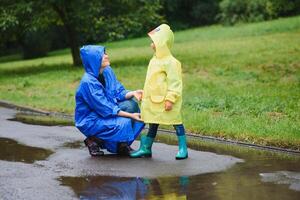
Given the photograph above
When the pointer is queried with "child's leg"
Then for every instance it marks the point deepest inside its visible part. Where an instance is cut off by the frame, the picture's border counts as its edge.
(146, 143)
(180, 132)
(152, 130)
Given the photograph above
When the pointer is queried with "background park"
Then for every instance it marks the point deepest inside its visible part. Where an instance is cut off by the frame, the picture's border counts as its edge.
(241, 74)
(241, 59)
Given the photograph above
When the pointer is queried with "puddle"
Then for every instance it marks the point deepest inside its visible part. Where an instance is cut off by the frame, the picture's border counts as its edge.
(283, 177)
(248, 180)
(232, 184)
(242, 181)
(13, 151)
(127, 188)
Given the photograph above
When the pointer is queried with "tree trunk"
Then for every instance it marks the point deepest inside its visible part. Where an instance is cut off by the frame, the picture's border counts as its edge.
(71, 34)
(74, 45)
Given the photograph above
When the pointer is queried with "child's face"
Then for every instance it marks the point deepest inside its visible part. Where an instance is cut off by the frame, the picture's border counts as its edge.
(153, 46)
(105, 61)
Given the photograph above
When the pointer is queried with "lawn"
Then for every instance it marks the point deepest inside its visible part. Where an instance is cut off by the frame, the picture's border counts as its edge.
(240, 82)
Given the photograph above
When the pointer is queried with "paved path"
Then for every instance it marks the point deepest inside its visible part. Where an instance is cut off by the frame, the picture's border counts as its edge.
(19, 180)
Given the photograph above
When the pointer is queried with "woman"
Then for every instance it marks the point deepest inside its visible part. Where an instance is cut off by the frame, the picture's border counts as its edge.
(105, 111)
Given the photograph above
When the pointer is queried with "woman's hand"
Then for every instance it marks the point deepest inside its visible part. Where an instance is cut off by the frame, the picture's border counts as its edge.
(138, 94)
(168, 105)
(136, 116)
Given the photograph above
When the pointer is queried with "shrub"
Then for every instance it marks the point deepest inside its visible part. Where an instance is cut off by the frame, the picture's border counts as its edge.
(187, 13)
(35, 44)
(235, 11)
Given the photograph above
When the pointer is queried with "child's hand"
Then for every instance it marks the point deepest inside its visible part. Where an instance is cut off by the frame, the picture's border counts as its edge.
(138, 94)
(168, 105)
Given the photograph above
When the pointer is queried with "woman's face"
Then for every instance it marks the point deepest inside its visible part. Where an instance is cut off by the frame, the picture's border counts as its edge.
(105, 61)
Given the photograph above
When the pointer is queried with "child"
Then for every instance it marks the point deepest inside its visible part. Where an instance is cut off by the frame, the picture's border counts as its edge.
(162, 98)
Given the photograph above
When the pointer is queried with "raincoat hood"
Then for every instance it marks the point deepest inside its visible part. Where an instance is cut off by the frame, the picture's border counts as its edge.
(91, 56)
(163, 39)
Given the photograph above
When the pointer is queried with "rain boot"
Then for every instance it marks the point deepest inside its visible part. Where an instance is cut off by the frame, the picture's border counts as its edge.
(93, 147)
(123, 149)
(182, 153)
(145, 148)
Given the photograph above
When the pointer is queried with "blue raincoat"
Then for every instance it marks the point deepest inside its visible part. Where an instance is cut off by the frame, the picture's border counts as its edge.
(97, 105)
(130, 188)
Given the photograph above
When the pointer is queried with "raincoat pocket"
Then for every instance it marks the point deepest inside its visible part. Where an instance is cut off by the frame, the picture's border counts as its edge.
(158, 87)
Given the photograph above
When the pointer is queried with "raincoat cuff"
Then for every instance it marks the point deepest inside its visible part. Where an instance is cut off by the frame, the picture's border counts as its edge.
(116, 110)
(171, 97)
(122, 96)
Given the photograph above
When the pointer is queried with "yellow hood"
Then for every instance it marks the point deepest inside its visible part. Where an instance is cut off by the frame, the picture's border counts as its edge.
(163, 39)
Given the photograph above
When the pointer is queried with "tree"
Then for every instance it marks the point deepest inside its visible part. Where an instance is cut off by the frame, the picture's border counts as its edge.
(15, 21)
(81, 19)
(188, 13)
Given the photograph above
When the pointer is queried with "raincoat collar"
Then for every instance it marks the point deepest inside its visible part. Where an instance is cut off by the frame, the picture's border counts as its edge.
(91, 56)
(163, 39)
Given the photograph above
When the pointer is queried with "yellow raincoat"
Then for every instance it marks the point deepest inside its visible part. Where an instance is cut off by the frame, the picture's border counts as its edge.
(163, 81)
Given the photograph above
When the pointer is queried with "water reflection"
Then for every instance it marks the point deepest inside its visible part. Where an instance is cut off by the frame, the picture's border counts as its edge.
(283, 177)
(13, 151)
(242, 181)
(127, 188)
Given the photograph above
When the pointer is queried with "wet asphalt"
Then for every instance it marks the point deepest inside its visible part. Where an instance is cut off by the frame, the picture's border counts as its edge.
(58, 151)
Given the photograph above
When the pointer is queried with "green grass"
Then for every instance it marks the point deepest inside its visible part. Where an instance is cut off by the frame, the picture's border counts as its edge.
(10, 58)
(42, 120)
(240, 82)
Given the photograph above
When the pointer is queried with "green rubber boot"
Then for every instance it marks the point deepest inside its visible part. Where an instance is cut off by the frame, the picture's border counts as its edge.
(182, 153)
(145, 148)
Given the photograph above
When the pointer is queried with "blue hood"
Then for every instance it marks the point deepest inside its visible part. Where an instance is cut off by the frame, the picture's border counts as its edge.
(91, 56)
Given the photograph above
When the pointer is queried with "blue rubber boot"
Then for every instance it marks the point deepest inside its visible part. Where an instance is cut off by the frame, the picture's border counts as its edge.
(145, 148)
(182, 153)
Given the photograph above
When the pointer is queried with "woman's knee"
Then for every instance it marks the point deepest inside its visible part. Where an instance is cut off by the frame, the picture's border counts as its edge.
(130, 106)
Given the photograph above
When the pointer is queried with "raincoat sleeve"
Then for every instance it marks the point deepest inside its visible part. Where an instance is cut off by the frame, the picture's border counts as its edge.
(174, 80)
(94, 95)
(121, 91)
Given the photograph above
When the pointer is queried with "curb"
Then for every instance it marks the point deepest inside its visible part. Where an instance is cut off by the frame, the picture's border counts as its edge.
(29, 110)
(34, 111)
(235, 142)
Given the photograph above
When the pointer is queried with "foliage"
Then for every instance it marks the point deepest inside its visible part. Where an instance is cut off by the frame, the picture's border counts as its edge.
(234, 11)
(131, 19)
(186, 13)
(35, 44)
(73, 23)
(16, 21)
(95, 21)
